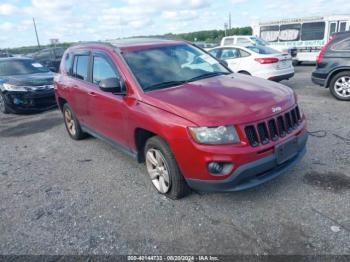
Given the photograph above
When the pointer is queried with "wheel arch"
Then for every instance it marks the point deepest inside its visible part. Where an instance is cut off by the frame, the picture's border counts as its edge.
(141, 135)
(333, 73)
(61, 101)
(244, 72)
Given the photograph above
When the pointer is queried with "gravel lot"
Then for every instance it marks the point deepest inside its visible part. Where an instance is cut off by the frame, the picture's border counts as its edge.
(59, 196)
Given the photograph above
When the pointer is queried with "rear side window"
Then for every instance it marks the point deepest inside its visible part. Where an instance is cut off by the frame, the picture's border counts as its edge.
(244, 53)
(102, 70)
(343, 45)
(80, 68)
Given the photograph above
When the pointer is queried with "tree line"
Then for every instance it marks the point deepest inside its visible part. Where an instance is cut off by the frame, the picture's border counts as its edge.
(211, 36)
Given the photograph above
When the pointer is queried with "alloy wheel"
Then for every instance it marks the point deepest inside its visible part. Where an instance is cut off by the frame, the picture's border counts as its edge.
(158, 170)
(342, 87)
(68, 117)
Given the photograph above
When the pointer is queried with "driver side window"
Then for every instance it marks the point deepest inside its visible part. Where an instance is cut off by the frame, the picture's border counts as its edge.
(102, 70)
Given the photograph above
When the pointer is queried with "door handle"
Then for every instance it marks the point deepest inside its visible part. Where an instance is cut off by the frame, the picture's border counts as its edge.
(92, 93)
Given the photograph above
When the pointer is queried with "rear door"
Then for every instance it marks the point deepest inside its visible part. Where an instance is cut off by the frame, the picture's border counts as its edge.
(79, 84)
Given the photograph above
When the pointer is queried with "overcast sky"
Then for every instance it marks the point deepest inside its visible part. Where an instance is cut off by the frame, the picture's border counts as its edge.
(71, 20)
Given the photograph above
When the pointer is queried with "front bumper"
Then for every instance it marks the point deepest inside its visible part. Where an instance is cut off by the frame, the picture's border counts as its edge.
(252, 174)
(31, 101)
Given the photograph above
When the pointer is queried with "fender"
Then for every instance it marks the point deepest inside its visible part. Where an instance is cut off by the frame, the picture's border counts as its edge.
(332, 73)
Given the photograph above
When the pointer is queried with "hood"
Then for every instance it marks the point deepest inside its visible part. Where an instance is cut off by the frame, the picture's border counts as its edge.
(38, 79)
(223, 100)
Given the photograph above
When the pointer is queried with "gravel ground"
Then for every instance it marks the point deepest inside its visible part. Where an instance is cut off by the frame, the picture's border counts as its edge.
(59, 196)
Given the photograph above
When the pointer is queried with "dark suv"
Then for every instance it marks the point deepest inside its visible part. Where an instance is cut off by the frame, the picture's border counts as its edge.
(333, 66)
(50, 57)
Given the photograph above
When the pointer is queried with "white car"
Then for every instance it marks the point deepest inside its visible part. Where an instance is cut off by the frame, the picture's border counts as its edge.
(259, 61)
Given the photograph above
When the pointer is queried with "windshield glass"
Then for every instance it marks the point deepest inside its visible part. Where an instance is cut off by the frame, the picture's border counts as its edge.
(259, 41)
(263, 50)
(166, 66)
(21, 67)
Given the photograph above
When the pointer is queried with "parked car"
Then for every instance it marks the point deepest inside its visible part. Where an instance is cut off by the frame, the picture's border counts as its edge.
(49, 57)
(205, 45)
(333, 66)
(25, 86)
(5, 53)
(203, 128)
(260, 61)
(248, 40)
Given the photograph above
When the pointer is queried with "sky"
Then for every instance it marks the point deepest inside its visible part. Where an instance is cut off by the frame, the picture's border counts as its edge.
(90, 20)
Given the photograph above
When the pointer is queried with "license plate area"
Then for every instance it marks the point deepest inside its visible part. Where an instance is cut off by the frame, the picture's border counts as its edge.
(283, 64)
(286, 151)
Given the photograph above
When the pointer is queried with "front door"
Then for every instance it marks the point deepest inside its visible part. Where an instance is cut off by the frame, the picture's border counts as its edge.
(107, 111)
(232, 57)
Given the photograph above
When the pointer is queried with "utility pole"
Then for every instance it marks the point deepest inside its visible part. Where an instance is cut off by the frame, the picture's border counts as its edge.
(36, 33)
(225, 26)
(229, 21)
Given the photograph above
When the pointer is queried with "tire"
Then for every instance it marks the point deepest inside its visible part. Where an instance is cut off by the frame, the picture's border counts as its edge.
(72, 124)
(338, 90)
(296, 63)
(170, 181)
(3, 106)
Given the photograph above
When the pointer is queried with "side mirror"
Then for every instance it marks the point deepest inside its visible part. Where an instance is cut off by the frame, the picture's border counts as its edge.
(112, 85)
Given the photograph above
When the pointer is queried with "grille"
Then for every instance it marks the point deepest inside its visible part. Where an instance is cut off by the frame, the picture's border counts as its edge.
(273, 129)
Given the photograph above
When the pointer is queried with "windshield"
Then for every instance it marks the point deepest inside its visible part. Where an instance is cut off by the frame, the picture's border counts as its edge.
(259, 41)
(263, 50)
(21, 67)
(166, 66)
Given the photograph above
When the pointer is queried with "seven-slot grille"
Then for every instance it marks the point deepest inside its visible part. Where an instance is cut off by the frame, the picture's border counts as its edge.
(272, 129)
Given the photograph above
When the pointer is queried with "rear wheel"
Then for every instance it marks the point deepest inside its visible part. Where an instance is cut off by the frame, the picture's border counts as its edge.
(340, 86)
(3, 106)
(72, 123)
(163, 169)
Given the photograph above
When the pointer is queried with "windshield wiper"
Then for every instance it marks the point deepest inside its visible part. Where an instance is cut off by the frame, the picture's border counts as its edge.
(164, 85)
(206, 76)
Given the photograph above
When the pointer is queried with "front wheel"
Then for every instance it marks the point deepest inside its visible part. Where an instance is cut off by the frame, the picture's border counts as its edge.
(340, 86)
(163, 169)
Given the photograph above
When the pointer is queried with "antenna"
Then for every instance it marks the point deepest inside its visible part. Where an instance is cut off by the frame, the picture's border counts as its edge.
(36, 33)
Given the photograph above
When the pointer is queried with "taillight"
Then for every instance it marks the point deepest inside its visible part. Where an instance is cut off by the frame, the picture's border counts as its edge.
(323, 50)
(267, 60)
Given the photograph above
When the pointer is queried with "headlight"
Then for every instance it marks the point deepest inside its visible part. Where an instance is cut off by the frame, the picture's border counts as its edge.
(215, 135)
(9, 87)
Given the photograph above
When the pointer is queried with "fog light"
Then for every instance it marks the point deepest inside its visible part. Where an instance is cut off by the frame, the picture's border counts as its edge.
(219, 168)
(17, 101)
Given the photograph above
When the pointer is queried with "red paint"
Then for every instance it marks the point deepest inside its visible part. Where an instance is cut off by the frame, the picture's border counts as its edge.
(267, 60)
(323, 50)
(222, 100)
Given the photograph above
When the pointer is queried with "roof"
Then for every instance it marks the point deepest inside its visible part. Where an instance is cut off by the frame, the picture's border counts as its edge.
(14, 58)
(132, 43)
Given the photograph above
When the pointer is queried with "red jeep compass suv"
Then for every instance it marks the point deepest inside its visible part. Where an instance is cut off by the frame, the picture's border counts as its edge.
(168, 103)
